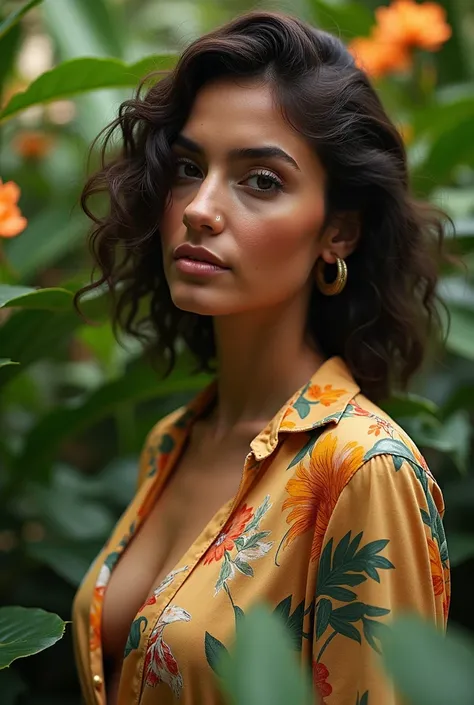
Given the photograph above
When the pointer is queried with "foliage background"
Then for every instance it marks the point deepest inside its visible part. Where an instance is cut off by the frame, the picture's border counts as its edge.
(75, 411)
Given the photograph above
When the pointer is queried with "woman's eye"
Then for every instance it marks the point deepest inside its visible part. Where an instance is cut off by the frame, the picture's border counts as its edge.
(187, 170)
(265, 181)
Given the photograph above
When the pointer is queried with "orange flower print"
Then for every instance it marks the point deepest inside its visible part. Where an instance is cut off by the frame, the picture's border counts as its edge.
(324, 395)
(321, 686)
(413, 24)
(437, 574)
(375, 429)
(315, 489)
(12, 222)
(285, 423)
(226, 540)
(96, 616)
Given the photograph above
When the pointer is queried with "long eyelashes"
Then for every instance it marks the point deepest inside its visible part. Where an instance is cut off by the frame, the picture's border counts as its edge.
(265, 174)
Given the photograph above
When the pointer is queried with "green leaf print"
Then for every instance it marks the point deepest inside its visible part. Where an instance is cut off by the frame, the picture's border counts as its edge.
(306, 449)
(239, 616)
(364, 700)
(134, 635)
(166, 444)
(347, 567)
(393, 447)
(112, 559)
(302, 406)
(215, 652)
(226, 571)
(292, 620)
(244, 567)
(323, 613)
(258, 516)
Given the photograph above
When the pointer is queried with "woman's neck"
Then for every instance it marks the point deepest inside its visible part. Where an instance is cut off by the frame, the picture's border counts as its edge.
(263, 359)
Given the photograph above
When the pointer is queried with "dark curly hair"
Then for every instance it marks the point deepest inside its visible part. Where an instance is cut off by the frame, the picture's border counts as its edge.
(380, 323)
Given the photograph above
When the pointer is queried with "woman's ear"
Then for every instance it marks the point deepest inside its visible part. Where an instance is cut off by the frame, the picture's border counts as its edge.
(341, 237)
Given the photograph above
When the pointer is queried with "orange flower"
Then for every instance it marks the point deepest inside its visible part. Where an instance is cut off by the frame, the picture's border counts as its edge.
(325, 395)
(378, 56)
(437, 574)
(225, 541)
(317, 486)
(414, 24)
(11, 220)
(32, 144)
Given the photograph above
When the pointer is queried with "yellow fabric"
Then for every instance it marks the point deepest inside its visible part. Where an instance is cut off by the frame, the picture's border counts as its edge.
(336, 525)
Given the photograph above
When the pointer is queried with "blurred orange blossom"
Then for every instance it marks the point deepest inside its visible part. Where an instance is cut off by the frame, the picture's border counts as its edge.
(11, 220)
(401, 27)
(32, 144)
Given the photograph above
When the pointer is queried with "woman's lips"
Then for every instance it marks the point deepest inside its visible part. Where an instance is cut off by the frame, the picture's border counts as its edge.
(198, 267)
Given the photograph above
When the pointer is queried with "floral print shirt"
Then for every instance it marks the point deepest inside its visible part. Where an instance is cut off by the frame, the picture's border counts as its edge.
(337, 526)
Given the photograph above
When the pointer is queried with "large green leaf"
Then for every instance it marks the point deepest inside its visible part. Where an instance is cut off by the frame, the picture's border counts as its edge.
(82, 75)
(15, 16)
(53, 299)
(5, 363)
(428, 668)
(262, 669)
(50, 235)
(31, 335)
(138, 383)
(448, 150)
(26, 631)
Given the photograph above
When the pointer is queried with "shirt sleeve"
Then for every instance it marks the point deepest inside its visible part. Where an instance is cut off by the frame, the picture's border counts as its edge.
(384, 552)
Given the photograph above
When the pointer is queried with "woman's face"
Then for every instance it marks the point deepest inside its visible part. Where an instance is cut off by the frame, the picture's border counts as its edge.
(250, 191)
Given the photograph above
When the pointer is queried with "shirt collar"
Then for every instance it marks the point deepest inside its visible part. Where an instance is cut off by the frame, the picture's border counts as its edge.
(322, 400)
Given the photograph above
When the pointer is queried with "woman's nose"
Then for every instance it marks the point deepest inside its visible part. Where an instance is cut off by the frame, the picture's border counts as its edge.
(203, 215)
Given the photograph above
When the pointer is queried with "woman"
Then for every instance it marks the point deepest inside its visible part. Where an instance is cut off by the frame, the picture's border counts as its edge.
(262, 201)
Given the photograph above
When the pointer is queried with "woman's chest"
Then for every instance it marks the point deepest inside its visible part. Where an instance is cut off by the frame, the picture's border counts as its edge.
(189, 502)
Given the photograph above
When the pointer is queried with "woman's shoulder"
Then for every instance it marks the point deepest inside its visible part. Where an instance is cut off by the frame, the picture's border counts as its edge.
(366, 431)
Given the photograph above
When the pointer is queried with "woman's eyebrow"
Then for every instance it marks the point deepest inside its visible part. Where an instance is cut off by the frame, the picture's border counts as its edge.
(270, 151)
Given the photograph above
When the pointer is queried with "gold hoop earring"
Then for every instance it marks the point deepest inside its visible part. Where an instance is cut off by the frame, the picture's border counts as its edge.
(335, 287)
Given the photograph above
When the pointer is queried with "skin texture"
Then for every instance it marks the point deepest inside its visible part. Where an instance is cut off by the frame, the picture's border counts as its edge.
(269, 237)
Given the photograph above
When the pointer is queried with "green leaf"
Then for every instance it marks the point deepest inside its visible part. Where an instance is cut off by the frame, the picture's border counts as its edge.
(449, 150)
(403, 405)
(68, 559)
(138, 383)
(51, 234)
(239, 616)
(364, 700)
(344, 628)
(263, 668)
(390, 446)
(54, 299)
(351, 612)
(323, 613)
(283, 609)
(244, 567)
(9, 45)
(26, 631)
(216, 653)
(15, 16)
(427, 667)
(373, 631)
(295, 626)
(82, 75)
(5, 361)
(134, 635)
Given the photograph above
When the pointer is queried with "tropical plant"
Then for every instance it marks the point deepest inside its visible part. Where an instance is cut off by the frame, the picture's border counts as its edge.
(75, 404)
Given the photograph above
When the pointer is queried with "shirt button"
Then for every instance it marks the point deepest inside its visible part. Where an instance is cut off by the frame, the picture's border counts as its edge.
(97, 681)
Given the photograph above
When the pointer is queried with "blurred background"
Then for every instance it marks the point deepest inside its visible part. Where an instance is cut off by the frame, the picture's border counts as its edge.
(75, 405)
